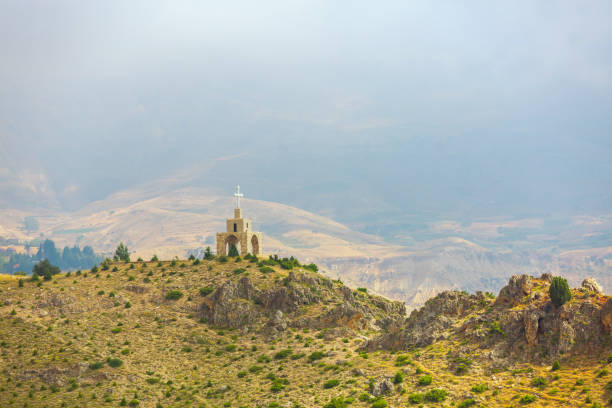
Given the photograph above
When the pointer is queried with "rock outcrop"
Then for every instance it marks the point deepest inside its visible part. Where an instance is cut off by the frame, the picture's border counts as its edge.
(429, 323)
(521, 322)
(591, 285)
(515, 290)
(381, 386)
(238, 304)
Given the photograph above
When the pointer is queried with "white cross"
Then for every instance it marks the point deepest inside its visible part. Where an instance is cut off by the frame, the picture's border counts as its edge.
(237, 194)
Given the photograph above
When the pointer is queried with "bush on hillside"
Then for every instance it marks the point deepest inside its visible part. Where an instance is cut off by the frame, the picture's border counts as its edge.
(122, 253)
(559, 291)
(174, 295)
(45, 269)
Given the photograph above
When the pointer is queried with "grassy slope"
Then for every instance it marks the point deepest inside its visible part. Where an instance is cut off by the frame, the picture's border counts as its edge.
(170, 358)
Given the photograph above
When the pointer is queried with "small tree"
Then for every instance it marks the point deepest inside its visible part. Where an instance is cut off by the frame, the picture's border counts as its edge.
(207, 254)
(233, 251)
(45, 269)
(122, 253)
(155, 258)
(559, 291)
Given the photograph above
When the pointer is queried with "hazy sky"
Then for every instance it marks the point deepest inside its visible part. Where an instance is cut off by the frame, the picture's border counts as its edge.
(399, 104)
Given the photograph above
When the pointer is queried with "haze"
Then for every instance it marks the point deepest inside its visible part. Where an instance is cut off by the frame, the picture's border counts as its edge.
(347, 109)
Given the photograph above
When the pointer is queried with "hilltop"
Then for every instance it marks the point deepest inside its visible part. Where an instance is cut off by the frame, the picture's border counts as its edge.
(253, 333)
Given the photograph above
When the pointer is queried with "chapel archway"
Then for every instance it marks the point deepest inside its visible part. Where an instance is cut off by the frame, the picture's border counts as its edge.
(232, 240)
(254, 245)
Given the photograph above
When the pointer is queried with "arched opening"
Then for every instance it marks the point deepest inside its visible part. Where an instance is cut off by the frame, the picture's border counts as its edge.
(254, 245)
(232, 240)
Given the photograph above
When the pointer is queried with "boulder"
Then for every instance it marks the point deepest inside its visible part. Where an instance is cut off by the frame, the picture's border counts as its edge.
(381, 386)
(277, 324)
(591, 285)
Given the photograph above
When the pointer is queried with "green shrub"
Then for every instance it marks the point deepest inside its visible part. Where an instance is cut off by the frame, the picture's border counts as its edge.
(278, 385)
(466, 403)
(230, 348)
(539, 382)
(331, 383)
(402, 360)
(238, 271)
(266, 269)
(556, 366)
(398, 378)
(263, 359)
(242, 374)
(174, 295)
(337, 402)
(114, 362)
(364, 397)
(435, 395)
(312, 267)
(364, 290)
(416, 398)
(283, 354)
(379, 403)
(425, 380)
(317, 355)
(205, 291)
(480, 388)
(559, 291)
(97, 365)
(152, 380)
(527, 399)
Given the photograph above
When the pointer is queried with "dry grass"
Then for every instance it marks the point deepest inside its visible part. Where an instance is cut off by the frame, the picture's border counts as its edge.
(172, 359)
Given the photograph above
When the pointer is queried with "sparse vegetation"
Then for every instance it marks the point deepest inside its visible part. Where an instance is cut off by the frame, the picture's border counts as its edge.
(175, 356)
(174, 295)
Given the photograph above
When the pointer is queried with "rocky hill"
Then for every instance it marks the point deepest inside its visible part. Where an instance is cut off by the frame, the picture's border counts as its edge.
(253, 333)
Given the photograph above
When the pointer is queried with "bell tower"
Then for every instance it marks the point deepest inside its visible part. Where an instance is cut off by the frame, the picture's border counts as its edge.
(239, 233)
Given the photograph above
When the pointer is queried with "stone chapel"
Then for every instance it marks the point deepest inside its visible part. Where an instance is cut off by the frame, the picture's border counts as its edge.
(239, 233)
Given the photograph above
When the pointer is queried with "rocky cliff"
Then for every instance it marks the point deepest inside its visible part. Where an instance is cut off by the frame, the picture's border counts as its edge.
(520, 323)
